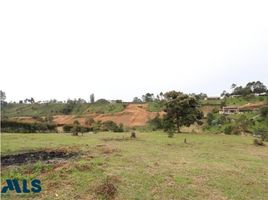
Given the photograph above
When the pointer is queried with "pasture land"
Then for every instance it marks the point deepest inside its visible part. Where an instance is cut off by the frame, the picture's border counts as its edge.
(152, 166)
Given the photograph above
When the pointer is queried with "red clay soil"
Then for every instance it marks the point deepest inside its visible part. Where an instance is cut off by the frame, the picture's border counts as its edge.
(133, 115)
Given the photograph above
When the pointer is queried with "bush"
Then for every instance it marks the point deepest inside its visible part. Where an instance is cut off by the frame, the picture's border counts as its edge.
(111, 126)
(69, 128)
(231, 130)
(96, 126)
(262, 132)
(264, 112)
(156, 123)
(210, 118)
(258, 142)
(228, 130)
(22, 127)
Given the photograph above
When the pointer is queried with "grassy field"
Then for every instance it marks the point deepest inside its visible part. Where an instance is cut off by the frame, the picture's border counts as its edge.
(152, 166)
(18, 110)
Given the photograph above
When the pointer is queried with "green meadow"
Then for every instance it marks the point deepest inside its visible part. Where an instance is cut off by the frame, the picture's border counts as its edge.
(152, 166)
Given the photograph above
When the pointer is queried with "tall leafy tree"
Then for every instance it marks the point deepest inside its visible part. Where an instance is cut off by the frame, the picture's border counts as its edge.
(181, 110)
(256, 87)
(148, 97)
(2, 96)
(137, 100)
(92, 98)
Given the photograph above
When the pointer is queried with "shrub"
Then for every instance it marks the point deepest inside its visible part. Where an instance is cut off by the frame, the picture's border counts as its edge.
(258, 142)
(67, 128)
(156, 123)
(210, 118)
(96, 126)
(231, 129)
(228, 130)
(264, 112)
(22, 127)
(262, 132)
(111, 126)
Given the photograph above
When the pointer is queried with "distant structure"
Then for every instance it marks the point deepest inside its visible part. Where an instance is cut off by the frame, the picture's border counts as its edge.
(250, 107)
(235, 96)
(212, 98)
(229, 110)
(260, 94)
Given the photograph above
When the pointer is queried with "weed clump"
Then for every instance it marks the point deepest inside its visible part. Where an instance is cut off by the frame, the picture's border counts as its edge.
(258, 142)
(107, 189)
(133, 134)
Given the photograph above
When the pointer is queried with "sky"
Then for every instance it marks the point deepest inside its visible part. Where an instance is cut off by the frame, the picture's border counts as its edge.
(60, 49)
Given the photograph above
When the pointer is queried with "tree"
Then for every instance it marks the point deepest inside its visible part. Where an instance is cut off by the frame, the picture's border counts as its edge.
(148, 97)
(181, 110)
(137, 100)
(200, 96)
(224, 94)
(92, 98)
(31, 100)
(169, 125)
(251, 87)
(76, 127)
(233, 86)
(2, 96)
(256, 87)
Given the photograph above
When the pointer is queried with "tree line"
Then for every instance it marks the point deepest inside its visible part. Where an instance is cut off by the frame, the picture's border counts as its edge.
(251, 88)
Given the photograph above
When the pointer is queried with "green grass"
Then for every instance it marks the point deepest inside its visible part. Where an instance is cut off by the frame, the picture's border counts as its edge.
(211, 102)
(243, 100)
(151, 167)
(105, 108)
(155, 106)
(18, 110)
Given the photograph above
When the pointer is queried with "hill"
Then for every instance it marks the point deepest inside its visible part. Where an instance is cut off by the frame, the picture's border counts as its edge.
(129, 114)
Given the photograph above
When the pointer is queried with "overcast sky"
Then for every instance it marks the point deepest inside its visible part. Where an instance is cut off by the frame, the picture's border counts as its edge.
(121, 49)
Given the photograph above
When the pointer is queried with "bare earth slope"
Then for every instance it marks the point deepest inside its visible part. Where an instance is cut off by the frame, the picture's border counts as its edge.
(133, 115)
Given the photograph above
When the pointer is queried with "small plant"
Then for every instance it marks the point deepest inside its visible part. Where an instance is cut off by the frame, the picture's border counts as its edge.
(107, 189)
(170, 134)
(133, 134)
(258, 142)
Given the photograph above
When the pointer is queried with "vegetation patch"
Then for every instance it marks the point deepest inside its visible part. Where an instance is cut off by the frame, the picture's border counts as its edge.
(107, 189)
